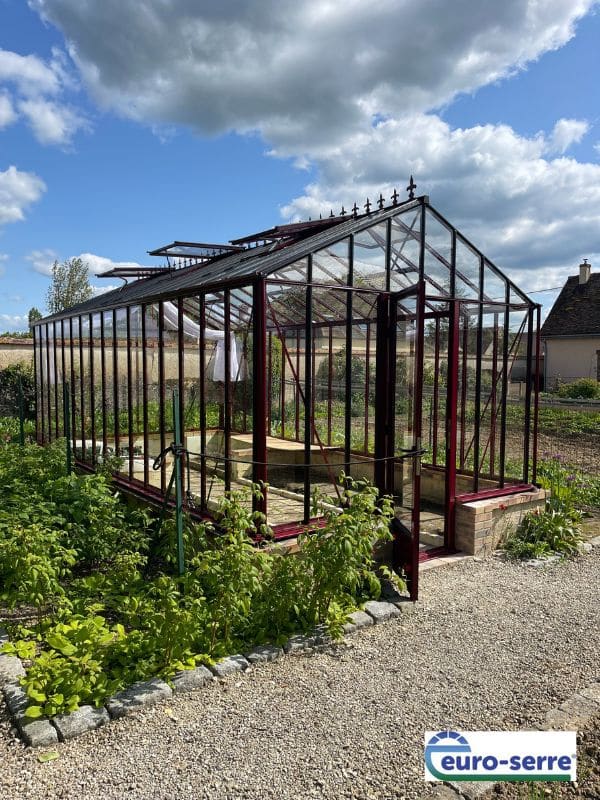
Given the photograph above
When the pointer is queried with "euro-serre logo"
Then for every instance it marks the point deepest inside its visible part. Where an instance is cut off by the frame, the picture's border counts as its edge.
(501, 756)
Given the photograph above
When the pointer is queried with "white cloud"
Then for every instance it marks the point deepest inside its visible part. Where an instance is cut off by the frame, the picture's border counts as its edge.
(98, 290)
(352, 89)
(18, 191)
(14, 322)
(30, 75)
(42, 260)
(567, 132)
(34, 88)
(522, 208)
(303, 73)
(7, 112)
(101, 264)
(52, 123)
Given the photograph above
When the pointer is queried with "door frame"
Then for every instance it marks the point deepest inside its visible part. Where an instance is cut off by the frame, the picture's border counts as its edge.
(388, 316)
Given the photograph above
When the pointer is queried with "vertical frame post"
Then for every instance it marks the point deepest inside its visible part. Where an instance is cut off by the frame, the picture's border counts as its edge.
(451, 424)
(92, 388)
(129, 397)
(308, 380)
(381, 393)
(227, 389)
(82, 391)
(527, 437)
(536, 401)
(115, 355)
(143, 312)
(202, 378)
(178, 483)
(161, 389)
(260, 382)
(67, 424)
(348, 386)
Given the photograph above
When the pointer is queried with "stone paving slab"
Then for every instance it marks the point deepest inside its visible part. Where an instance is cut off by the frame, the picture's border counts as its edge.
(356, 620)
(381, 611)
(189, 679)
(86, 718)
(263, 653)
(143, 693)
(38, 733)
(230, 665)
(16, 700)
(11, 669)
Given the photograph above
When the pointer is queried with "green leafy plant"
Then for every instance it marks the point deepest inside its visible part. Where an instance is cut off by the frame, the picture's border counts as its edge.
(544, 533)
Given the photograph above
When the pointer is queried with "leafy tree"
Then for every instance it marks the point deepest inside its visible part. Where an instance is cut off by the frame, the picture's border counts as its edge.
(33, 316)
(70, 285)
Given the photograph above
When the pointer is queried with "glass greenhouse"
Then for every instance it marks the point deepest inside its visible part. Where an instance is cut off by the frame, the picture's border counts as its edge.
(383, 345)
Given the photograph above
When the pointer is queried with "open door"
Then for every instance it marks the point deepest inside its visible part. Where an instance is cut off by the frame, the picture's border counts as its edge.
(398, 429)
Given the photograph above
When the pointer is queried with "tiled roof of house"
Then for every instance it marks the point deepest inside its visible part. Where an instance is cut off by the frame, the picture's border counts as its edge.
(576, 311)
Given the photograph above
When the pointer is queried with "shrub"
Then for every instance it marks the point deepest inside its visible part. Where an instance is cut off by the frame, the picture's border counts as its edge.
(584, 388)
(545, 533)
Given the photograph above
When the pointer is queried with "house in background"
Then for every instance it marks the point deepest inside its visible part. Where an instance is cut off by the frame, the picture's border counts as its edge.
(571, 332)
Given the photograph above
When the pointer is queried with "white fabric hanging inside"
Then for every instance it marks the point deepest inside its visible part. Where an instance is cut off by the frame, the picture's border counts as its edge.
(192, 329)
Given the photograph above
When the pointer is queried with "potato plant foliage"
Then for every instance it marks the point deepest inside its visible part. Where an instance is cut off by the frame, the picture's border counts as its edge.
(104, 607)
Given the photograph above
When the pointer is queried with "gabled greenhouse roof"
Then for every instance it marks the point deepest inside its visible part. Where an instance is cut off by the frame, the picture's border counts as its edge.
(243, 265)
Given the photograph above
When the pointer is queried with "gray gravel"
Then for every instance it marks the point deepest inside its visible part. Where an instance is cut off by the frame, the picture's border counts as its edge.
(491, 645)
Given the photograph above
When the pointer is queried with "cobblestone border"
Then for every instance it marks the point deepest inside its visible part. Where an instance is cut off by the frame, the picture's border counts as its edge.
(45, 732)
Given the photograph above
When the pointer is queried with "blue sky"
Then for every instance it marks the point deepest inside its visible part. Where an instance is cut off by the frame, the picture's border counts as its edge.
(124, 126)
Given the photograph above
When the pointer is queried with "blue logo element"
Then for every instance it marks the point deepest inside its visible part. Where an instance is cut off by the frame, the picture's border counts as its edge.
(444, 742)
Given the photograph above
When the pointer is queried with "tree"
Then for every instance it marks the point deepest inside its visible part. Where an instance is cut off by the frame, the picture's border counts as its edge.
(33, 316)
(70, 285)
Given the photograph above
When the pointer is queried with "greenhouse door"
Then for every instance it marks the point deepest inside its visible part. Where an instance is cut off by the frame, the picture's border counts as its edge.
(399, 410)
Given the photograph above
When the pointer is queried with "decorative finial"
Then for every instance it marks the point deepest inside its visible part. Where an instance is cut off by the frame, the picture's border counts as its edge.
(367, 205)
(320, 216)
(411, 189)
(394, 198)
(380, 201)
(331, 214)
(343, 212)
(355, 210)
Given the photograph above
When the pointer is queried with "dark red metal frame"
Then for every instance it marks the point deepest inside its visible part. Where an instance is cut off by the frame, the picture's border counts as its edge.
(336, 313)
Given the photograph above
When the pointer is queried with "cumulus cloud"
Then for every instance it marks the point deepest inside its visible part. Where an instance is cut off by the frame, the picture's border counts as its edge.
(14, 322)
(567, 132)
(52, 123)
(7, 112)
(18, 191)
(301, 72)
(42, 260)
(33, 89)
(521, 208)
(354, 90)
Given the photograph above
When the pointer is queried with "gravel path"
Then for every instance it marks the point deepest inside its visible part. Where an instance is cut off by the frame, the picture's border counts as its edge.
(491, 645)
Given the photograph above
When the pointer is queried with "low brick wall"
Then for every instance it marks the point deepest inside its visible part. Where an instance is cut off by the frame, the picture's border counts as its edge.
(482, 524)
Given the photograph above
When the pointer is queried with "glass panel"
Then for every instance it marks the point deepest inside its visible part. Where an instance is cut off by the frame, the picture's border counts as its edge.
(42, 378)
(494, 286)
(369, 257)
(467, 270)
(403, 398)
(517, 393)
(152, 406)
(331, 265)
(298, 271)
(438, 256)
(241, 391)
(121, 378)
(65, 359)
(404, 257)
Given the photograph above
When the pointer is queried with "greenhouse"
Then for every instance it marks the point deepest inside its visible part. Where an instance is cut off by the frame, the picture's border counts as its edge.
(381, 345)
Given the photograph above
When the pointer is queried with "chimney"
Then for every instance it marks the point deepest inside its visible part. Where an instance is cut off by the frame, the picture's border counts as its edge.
(584, 272)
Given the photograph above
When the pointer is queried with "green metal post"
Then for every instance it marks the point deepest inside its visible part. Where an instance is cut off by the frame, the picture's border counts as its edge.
(67, 422)
(21, 414)
(178, 487)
